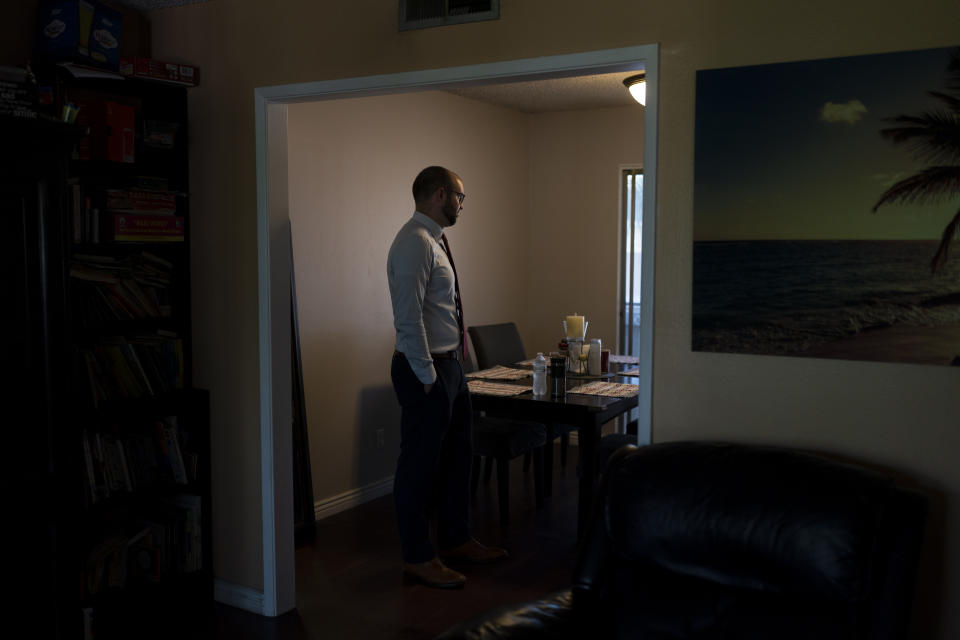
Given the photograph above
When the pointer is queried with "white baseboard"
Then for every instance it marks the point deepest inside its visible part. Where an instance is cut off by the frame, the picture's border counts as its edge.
(250, 599)
(353, 498)
(241, 597)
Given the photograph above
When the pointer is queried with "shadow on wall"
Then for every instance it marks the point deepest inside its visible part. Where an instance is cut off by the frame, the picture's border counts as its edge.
(378, 434)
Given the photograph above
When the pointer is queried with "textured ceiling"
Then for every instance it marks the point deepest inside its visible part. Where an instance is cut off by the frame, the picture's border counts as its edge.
(150, 5)
(556, 94)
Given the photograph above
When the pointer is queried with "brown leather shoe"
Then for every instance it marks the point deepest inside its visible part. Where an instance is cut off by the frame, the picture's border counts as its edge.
(434, 574)
(474, 552)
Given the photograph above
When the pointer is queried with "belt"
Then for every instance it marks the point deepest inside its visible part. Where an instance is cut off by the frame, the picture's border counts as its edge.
(443, 355)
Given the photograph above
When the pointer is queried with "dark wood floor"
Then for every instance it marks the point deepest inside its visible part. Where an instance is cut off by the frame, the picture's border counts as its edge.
(349, 584)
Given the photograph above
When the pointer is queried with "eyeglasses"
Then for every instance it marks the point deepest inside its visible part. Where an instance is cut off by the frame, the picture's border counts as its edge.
(460, 196)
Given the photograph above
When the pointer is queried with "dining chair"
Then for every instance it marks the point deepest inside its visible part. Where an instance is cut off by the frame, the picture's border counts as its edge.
(501, 440)
(500, 344)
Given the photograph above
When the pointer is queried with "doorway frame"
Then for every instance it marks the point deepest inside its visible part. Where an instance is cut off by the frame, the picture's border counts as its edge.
(273, 261)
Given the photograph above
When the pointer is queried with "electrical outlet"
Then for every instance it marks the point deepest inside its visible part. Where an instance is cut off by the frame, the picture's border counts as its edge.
(380, 439)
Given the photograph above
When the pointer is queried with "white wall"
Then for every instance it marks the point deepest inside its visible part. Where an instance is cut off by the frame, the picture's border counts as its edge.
(351, 166)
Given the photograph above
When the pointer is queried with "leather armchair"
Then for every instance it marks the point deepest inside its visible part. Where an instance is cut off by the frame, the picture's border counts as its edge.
(719, 540)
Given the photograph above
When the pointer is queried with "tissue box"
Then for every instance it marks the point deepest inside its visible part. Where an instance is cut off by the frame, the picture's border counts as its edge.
(82, 31)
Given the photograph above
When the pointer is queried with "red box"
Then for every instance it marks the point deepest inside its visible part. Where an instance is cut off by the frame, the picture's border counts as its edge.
(120, 127)
(141, 201)
(172, 72)
(147, 227)
(112, 127)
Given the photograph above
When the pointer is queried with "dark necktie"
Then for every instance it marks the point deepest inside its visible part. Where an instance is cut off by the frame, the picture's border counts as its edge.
(456, 288)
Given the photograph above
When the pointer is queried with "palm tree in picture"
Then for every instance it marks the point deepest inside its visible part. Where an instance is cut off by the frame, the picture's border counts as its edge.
(934, 137)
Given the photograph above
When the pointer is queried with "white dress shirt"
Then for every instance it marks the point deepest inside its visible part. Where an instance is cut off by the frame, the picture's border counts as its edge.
(422, 291)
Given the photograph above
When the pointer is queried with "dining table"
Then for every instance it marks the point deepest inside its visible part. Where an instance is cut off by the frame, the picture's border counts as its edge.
(587, 412)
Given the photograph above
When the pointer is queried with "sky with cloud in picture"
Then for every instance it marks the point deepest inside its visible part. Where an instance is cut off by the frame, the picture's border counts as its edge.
(793, 150)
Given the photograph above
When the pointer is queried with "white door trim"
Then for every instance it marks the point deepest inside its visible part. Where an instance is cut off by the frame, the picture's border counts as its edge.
(274, 277)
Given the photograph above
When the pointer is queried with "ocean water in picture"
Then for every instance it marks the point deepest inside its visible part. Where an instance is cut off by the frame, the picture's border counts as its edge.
(790, 154)
(787, 297)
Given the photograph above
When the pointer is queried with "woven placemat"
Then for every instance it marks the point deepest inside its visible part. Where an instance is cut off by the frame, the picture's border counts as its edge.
(500, 372)
(611, 389)
(483, 387)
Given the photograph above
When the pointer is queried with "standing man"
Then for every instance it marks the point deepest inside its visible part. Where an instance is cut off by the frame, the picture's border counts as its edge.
(436, 439)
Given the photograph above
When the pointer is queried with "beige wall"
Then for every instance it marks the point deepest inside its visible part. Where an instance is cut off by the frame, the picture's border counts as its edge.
(351, 165)
(575, 161)
(537, 185)
(900, 415)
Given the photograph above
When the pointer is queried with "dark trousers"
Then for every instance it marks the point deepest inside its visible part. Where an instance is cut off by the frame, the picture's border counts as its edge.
(436, 448)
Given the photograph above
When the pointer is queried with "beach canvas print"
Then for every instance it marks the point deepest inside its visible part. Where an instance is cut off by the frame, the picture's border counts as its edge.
(827, 208)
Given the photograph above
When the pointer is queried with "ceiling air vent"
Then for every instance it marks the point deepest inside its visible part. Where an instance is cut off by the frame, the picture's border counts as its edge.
(420, 14)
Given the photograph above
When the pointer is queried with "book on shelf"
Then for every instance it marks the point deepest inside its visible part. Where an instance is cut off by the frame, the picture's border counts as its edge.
(125, 215)
(136, 367)
(119, 370)
(192, 508)
(146, 553)
(106, 564)
(82, 271)
(108, 449)
(102, 478)
(92, 467)
(148, 227)
(142, 454)
(99, 393)
(146, 453)
(141, 201)
(161, 544)
(132, 287)
(150, 363)
(78, 204)
(144, 265)
(191, 460)
(164, 544)
(116, 461)
(122, 300)
(170, 452)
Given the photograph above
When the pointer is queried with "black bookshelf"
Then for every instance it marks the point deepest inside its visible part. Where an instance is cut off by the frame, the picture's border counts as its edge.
(118, 435)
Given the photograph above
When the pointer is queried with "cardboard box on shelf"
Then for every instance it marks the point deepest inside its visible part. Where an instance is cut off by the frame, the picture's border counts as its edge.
(172, 72)
(112, 131)
(86, 32)
(120, 129)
